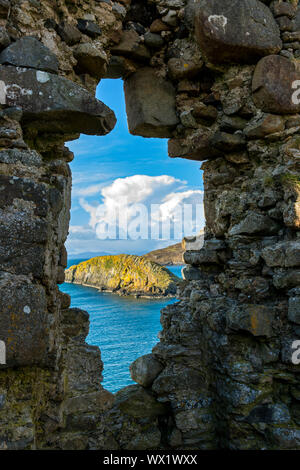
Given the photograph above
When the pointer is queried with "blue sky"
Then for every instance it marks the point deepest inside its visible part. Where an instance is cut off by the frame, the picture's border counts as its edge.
(109, 169)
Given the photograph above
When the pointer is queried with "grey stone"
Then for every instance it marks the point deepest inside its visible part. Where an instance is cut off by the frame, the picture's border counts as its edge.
(119, 67)
(267, 124)
(232, 123)
(237, 394)
(286, 438)
(287, 279)
(75, 322)
(191, 273)
(228, 142)
(181, 69)
(31, 53)
(175, 438)
(285, 254)
(4, 8)
(2, 401)
(256, 319)
(272, 85)
(89, 28)
(145, 369)
(236, 30)
(119, 10)
(280, 8)
(194, 419)
(4, 38)
(204, 256)
(154, 41)
(91, 60)
(294, 310)
(130, 46)
(187, 119)
(254, 223)
(150, 104)
(200, 110)
(139, 403)
(148, 439)
(277, 413)
(15, 113)
(68, 33)
(54, 104)
(23, 321)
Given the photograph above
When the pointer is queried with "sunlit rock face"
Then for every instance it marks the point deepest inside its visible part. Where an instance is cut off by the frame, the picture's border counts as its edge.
(219, 79)
(125, 275)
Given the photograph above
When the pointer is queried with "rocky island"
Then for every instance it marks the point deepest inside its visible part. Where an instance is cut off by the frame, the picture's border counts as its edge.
(124, 275)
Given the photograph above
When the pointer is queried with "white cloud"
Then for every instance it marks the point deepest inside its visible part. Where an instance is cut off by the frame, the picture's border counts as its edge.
(127, 206)
(88, 190)
(81, 232)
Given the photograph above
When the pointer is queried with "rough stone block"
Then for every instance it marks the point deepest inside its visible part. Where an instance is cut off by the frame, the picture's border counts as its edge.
(131, 47)
(89, 28)
(294, 310)
(254, 223)
(31, 53)
(53, 104)
(285, 254)
(270, 414)
(4, 8)
(14, 188)
(272, 85)
(267, 124)
(191, 274)
(193, 243)
(137, 402)
(180, 69)
(150, 104)
(23, 321)
(236, 30)
(91, 60)
(145, 369)
(256, 319)
(19, 257)
(68, 33)
(203, 256)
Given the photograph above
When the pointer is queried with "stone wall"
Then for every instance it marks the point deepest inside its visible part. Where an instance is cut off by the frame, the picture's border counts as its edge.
(215, 77)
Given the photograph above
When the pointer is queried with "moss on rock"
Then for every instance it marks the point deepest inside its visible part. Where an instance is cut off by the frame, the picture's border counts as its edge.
(124, 274)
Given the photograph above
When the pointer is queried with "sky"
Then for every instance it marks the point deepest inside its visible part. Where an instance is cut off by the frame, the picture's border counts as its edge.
(126, 188)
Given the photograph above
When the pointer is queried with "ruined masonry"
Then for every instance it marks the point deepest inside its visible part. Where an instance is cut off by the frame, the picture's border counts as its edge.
(218, 79)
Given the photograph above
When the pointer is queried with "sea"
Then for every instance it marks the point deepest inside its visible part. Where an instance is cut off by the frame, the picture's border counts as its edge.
(124, 328)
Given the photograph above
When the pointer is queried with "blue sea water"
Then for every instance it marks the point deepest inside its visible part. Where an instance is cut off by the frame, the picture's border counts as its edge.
(123, 327)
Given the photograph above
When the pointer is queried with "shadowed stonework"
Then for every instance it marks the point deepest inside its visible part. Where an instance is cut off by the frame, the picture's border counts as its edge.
(217, 78)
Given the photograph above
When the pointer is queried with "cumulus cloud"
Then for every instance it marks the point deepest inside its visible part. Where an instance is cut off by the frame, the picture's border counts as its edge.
(81, 232)
(88, 190)
(143, 207)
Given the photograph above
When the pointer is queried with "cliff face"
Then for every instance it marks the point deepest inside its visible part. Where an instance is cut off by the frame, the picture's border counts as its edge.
(125, 274)
(217, 78)
(167, 256)
(173, 254)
